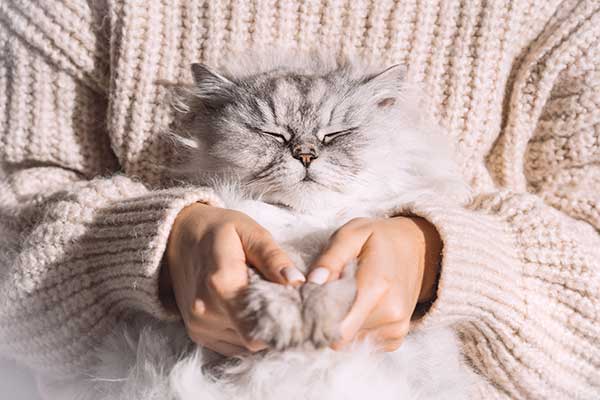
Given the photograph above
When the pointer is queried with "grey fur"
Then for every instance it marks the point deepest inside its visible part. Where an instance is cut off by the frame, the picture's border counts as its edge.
(249, 125)
(253, 127)
(321, 139)
(285, 317)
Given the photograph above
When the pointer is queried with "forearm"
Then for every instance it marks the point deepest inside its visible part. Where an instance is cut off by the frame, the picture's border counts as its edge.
(91, 253)
(507, 282)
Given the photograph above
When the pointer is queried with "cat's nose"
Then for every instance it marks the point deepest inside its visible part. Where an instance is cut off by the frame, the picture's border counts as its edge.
(305, 154)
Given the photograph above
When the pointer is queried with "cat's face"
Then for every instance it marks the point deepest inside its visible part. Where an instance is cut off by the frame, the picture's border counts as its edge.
(295, 138)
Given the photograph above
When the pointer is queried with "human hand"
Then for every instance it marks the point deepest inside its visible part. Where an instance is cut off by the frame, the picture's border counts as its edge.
(207, 255)
(398, 262)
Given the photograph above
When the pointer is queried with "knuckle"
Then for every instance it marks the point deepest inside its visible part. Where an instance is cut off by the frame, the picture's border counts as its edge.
(199, 341)
(271, 253)
(262, 233)
(400, 330)
(350, 229)
(260, 239)
(195, 333)
(340, 236)
(397, 315)
(406, 326)
(220, 231)
(342, 233)
(234, 215)
(358, 222)
(254, 347)
(193, 330)
(397, 334)
(216, 282)
(274, 259)
(339, 345)
(392, 345)
(346, 338)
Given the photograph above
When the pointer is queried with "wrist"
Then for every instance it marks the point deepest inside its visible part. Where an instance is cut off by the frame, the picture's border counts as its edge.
(180, 238)
(430, 248)
(166, 294)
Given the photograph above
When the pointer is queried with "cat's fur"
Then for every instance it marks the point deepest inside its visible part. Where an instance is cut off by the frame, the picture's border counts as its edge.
(149, 360)
(370, 151)
(392, 158)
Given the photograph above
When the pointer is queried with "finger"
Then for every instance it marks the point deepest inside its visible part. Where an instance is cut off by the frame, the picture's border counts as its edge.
(250, 344)
(226, 349)
(217, 327)
(267, 257)
(230, 336)
(390, 309)
(205, 323)
(387, 337)
(205, 333)
(344, 246)
(254, 346)
(230, 272)
(370, 291)
(225, 335)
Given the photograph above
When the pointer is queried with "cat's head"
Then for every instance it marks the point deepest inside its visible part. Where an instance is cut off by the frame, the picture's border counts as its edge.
(310, 138)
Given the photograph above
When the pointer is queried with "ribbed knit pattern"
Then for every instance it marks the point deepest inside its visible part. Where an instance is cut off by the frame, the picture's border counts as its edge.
(515, 83)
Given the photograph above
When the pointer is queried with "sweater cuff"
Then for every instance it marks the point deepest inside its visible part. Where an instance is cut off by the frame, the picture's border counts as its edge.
(481, 275)
(94, 255)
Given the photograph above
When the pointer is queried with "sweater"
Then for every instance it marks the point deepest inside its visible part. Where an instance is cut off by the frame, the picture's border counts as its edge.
(86, 208)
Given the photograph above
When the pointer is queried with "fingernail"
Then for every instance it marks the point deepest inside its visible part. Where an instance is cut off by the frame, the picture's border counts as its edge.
(319, 276)
(292, 275)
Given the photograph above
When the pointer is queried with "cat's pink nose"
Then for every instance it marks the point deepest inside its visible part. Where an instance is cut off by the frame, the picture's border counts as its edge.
(305, 154)
(306, 159)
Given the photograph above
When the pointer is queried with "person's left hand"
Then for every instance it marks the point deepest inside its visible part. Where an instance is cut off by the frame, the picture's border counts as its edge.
(398, 262)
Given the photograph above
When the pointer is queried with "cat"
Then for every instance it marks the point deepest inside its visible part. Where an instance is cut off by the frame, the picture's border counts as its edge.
(304, 145)
(301, 142)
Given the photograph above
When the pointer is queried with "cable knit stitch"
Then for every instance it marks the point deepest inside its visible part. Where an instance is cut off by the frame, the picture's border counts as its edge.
(86, 210)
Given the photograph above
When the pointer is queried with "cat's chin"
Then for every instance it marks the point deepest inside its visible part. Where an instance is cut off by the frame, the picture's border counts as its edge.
(310, 198)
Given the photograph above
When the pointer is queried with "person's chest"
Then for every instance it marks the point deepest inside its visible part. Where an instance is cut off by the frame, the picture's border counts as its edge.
(461, 53)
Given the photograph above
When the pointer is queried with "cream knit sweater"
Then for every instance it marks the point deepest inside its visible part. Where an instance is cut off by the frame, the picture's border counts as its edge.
(85, 212)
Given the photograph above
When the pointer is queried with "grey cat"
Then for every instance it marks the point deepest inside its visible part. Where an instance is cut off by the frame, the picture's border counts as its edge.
(304, 144)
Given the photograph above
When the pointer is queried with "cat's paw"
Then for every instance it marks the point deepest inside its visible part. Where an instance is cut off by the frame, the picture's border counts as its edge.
(271, 313)
(324, 307)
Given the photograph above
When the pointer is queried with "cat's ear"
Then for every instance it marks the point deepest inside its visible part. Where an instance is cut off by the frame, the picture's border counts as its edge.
(203, 75)
(393, 74)
(387, 82)
(213, 88)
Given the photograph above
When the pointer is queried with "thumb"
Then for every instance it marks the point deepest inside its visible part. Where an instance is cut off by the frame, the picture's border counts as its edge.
(344, 246)
(267, 257)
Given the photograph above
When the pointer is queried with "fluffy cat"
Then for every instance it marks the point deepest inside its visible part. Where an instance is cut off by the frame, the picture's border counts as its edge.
(302, 144)
(310, 143)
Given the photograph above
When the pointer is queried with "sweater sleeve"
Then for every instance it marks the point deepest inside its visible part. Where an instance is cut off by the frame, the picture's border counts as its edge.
(81, 245)
(520, 274)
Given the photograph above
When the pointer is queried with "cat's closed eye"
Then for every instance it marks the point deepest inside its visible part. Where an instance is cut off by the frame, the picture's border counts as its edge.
(277, 136)
(274, 135)
(329, 137)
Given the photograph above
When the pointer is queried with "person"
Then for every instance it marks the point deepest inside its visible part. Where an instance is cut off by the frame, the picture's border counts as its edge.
(93, 230)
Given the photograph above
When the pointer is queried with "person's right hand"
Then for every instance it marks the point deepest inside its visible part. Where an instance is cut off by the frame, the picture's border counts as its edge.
(207, 255)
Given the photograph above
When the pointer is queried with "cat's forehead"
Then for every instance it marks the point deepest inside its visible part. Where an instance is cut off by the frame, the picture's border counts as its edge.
(294, 88)
(305, 102)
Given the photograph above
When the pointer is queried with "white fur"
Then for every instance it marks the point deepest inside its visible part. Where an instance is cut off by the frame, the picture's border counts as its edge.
(148, 360)
(142, 362)
(406, 161)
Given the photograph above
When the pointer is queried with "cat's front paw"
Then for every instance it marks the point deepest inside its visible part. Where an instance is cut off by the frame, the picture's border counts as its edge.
(324, 307)
(271, 313)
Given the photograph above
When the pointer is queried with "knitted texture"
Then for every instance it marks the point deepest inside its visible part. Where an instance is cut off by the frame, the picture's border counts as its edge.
(515, 84)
